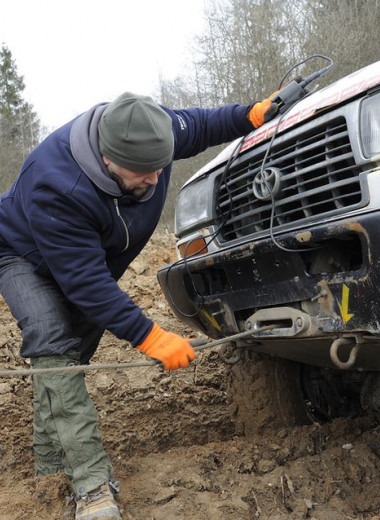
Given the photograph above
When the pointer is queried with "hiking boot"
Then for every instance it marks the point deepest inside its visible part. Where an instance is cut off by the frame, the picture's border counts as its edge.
(98, 504)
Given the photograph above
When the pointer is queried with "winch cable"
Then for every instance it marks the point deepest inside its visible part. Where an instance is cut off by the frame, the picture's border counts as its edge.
(198, 345)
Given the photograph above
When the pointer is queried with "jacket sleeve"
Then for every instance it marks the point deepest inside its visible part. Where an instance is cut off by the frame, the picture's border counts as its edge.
(196, 129)
(66, 233)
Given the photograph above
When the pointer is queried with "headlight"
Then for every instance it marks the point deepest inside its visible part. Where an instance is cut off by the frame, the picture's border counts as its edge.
(192, 207)
(370, 126)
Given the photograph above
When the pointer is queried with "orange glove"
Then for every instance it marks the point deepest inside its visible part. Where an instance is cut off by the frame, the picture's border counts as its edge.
(263, 111)
(169, 348)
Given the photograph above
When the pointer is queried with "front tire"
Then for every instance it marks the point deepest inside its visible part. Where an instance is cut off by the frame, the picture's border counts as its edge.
(266, 392)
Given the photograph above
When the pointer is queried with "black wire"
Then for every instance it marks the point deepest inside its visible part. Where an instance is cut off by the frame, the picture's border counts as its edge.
(307, 80)
(273, 202)
(313, 76)
(211, 236)
(223, 180)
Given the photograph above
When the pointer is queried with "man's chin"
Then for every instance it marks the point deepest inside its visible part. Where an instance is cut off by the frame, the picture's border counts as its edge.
(138, 193)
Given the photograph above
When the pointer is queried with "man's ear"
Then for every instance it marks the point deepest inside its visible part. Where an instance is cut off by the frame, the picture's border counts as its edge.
(106, 160)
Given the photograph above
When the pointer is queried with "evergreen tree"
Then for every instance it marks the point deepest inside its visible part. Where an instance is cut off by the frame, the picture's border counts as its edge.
(19, 124)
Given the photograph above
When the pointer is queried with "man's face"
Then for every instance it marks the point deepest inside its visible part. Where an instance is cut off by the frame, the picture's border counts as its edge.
(130, 182)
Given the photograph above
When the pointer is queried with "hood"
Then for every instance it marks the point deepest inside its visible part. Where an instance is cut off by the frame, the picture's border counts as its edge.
(332, 95)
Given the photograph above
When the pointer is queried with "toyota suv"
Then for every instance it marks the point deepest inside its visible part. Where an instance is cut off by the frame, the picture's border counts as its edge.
(280, 235)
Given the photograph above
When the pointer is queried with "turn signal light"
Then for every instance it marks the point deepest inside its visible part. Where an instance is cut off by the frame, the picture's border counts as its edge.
(194, 247)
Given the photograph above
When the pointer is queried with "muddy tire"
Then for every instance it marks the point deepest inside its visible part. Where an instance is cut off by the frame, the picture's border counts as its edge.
(264, 392)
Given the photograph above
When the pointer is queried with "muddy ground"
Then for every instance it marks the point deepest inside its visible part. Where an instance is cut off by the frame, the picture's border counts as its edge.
(177, 447)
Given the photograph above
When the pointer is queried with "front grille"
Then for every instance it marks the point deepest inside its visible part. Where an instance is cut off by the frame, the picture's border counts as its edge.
(318, 177)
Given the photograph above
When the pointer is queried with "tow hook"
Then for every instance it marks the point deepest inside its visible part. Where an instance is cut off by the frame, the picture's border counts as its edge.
(229, 353)
(354, 342)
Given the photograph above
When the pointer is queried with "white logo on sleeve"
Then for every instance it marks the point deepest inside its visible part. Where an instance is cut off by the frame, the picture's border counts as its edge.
(182, 122)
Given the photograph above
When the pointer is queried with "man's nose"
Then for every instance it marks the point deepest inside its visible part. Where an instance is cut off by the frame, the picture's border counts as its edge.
(152, 178)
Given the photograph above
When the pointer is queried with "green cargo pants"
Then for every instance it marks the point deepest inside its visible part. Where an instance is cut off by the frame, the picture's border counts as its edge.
(66, 434)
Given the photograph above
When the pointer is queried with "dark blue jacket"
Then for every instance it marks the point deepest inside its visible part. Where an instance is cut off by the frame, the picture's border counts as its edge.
(57, 218)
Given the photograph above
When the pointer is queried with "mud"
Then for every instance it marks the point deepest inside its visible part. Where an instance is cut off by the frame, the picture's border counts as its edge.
(181, 447)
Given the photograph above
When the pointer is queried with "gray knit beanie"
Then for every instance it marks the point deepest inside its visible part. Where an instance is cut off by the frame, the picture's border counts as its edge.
(136, 133)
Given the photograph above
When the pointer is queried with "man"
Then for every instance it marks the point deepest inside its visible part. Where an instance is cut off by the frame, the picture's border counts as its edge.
(85, 203)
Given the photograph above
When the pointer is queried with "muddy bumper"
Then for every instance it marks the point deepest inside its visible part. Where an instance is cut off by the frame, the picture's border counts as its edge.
(327, 287)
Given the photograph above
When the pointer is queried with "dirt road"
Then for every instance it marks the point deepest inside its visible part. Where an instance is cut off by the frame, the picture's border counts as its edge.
(176, 446)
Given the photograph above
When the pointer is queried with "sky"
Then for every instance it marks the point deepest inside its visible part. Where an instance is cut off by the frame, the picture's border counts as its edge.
(77, 53)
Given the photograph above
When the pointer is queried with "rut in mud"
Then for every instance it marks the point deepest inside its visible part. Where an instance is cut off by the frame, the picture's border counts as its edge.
(180, 443)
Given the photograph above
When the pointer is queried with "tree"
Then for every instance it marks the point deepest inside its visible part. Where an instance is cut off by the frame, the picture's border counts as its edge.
(19, 124)
(345, 30)
(246, 48)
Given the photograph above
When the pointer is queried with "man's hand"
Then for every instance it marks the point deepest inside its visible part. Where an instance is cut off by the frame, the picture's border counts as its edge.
(263, 111)
(169, 348)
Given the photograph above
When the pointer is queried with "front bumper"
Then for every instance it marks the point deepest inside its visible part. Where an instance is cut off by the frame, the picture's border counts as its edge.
(333, 278)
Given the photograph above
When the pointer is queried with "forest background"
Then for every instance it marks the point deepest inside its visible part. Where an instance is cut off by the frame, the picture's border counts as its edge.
(244, 51)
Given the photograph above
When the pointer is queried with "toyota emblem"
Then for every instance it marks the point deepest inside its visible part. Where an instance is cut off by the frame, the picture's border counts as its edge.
(266, 183)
